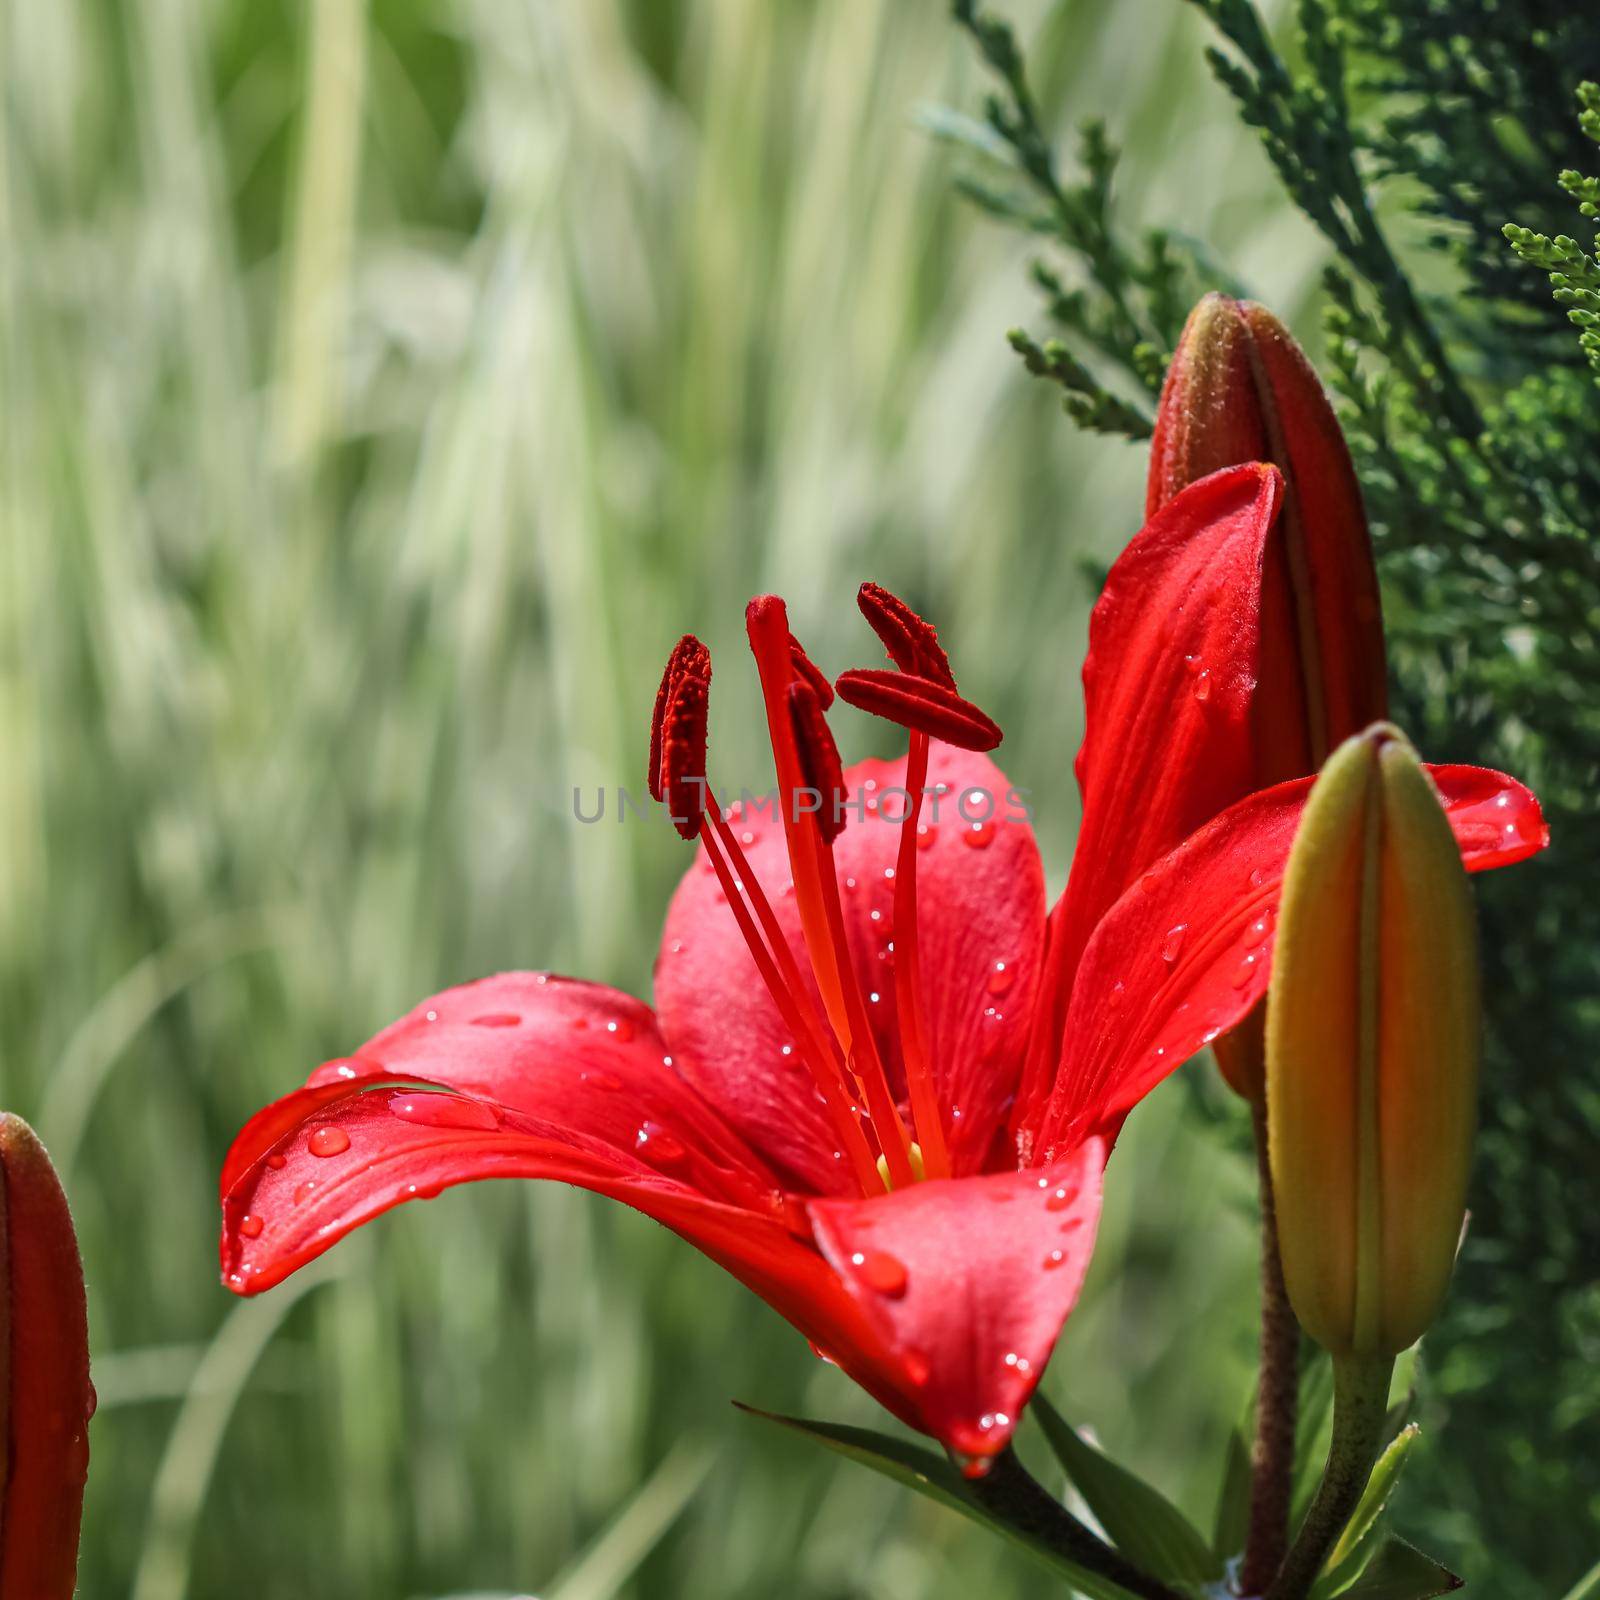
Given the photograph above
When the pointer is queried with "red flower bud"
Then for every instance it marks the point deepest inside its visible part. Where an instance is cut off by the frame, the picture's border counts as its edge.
(1240, 389)
(46, 1398)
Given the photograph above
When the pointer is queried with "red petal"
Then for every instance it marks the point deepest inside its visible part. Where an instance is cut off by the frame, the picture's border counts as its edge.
(980, 892)
(1187, 951)
(1168, 687)
(278, 1218)
(968, 1282)
(586, 1061)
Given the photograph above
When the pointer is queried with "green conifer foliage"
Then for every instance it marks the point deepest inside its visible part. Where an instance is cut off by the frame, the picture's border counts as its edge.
(1419, 136)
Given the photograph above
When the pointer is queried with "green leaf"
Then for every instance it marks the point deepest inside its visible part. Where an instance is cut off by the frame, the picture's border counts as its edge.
(1400, 1571)
(1587, 1587)
(919, 1468)
(1347, 1557)
(1232, 1522)
(1141, 1522)
(1313, 1423)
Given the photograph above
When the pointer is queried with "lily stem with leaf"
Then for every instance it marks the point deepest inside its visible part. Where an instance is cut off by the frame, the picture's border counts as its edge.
(1360, 1404)
(1009, 1492)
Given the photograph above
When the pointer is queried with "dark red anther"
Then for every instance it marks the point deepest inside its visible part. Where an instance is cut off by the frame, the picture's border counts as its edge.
(806, 668)
(912, 641)
(920, 704)
(820, 770)
(689, 658)
(678, 735)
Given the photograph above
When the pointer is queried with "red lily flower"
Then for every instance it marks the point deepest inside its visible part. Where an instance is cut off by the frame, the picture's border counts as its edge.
(846, 994)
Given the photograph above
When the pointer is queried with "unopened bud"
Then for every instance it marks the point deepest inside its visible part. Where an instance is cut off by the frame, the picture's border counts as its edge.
(1372, 1051)
(45, 1395)
(1240, 389)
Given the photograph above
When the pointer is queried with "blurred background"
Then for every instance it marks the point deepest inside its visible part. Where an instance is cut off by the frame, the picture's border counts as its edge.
(384, 386)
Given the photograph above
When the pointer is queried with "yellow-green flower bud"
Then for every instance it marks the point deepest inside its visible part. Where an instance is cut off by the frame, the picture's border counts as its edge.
(1372, 1051)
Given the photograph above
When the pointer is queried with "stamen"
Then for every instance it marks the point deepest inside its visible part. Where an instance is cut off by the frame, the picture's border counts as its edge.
(819, 759)
(912, 641)
(925, 1110)
(921, 705)
(817, 887)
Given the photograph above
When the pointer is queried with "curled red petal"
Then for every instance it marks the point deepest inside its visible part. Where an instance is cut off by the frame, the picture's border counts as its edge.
(968, 1282)
(47, 1398)
(820, 769)
(921, 705)
(1186, 953)
(1169, 688)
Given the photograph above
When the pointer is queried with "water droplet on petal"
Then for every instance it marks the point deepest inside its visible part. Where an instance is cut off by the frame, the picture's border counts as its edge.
(1059, 1200)
(881, 1271)
(444, 1111)
(978, 835)
(927, 832)
(277, 1161)
(1001, 977)
(1247, 968)
(1202, 686)
(304, 1191)
(326, 1141)
(1054, 1260)
(1173, 944)
(621, 1030)
(497, 1019)
(658, 1147)
(1258, 876)
(250, 1226)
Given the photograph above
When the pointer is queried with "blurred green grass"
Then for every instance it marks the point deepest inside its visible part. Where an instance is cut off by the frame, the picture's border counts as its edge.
(383, 387)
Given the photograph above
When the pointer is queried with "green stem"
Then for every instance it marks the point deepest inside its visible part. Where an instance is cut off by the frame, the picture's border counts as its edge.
(1360, 1402)
(1277, 1396)
(1008, 1492)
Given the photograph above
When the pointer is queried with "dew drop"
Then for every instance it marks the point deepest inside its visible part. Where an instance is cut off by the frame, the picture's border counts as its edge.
(432, 1016)
(1001, 977)
(881, 1271)
(1173, 944)
(621, 1030)
(1116, 994)
(1059, 1200)
(1258, 876)
(497, 1019)
(1247, 968)
(659, 1147)
(978, 835)
(1202, 686)
(277, 1161)
(1054, 1260)
(250, 1226)
(304, 1191)
(747, 837)
(327, 1141)
(444, 1111)
(927, 832)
